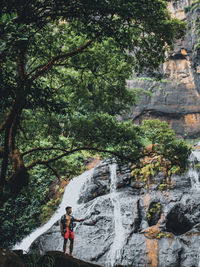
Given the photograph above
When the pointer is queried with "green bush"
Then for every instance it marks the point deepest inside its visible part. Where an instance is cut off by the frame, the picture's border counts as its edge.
(164, 143)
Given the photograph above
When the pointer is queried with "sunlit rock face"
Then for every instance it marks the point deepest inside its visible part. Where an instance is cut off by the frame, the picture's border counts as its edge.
(176, 98)
(176, 8)
(130, 224)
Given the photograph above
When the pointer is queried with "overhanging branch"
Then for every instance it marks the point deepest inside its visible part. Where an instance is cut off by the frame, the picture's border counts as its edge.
(54, 171)
(1, 152)
(39, 161)
(41, 149)
(44, 68)
(4, 123)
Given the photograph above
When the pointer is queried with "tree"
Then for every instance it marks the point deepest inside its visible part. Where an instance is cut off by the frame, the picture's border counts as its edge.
(164, 143)
(158, 132)
(64, 66)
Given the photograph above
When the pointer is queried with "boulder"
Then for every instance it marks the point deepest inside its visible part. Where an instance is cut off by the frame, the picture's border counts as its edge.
(58, 259)
(10, 259)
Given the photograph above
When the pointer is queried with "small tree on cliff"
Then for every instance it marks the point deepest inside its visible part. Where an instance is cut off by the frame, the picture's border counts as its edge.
(160, 133)
(63, 71)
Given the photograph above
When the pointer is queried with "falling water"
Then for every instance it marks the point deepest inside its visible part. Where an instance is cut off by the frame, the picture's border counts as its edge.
(194, 169)
(114, 256)
(70, 198)
(194, 174)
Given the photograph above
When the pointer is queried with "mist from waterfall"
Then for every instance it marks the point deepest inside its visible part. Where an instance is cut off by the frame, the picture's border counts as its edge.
(115, 253)
(194, 173)
(70, 198)
(194, 169)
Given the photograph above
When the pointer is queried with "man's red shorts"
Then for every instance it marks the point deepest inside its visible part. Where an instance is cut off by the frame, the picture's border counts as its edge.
(69, 234)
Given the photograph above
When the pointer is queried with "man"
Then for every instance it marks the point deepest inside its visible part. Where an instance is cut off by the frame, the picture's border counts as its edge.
(66, 227)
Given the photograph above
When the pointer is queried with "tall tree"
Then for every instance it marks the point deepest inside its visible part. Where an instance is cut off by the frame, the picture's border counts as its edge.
(63, 72)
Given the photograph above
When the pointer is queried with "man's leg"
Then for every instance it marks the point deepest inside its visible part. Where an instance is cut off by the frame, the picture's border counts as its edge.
(64, 245)
(71, 246)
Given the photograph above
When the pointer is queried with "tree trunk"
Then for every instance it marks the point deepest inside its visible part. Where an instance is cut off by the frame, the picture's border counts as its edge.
(20, 176)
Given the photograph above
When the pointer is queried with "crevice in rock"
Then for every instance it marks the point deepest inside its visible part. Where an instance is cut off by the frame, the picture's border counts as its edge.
(177, 223)
(179, 258)
(154, 212)
(138, 220)
(93, 222)
(178, 56)
(98, 256)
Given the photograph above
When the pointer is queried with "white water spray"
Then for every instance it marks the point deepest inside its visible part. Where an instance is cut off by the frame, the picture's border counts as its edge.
(114, 256)
(194, 174)
(194, 170)
(70, 198)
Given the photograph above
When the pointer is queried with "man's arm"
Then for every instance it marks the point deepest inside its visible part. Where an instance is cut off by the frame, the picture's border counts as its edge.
(79, 220)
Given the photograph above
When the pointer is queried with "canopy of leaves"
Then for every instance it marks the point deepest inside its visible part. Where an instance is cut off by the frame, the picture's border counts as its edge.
(64, 62)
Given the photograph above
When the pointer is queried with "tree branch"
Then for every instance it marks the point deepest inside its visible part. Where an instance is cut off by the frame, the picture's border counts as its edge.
(21, 64)
(39, 161)
(42, 149)
(4, 123)
(44, 68)
(1, 152)
(71, 65)
(54, 172)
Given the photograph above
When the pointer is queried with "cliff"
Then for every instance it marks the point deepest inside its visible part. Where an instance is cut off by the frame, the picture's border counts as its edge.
(134, 220)
(176, 98)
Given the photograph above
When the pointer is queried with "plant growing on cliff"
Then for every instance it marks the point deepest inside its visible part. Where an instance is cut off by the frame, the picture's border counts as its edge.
(165, 156)
(164, 143)
(193, 6)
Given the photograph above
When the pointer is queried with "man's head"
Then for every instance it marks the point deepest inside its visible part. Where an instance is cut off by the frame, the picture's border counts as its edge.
(68, 210)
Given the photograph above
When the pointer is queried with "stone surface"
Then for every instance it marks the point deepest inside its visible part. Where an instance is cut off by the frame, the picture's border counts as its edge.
(61, 260)
(169, 239)
(9, 259)
(50, 258)
(176, 98)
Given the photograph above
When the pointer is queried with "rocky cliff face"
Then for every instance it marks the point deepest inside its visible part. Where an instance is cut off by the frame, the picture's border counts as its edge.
(132, 225)
(176, 98)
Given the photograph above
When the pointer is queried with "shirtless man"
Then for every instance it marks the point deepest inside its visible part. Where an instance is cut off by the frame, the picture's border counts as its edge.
(66, 227)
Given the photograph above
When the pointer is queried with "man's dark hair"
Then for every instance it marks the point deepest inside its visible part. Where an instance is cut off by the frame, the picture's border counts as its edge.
(67, 208)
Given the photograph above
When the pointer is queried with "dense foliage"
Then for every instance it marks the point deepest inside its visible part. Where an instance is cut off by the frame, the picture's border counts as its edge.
(61, 62)
(63, 72)
(164, 157)
(165, 143)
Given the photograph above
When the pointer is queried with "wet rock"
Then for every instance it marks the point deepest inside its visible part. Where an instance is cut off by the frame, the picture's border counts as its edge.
(58, 259)
(98, 187)
(9, 259)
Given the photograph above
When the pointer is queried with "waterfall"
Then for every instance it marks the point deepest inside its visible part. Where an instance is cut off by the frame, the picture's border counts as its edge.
(114, 256)
(194, 174)
(70, 198)
(194, 169)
